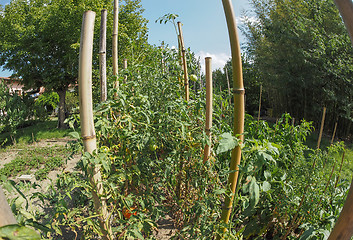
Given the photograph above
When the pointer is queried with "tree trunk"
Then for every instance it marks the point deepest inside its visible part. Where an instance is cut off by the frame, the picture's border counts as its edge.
(61, 109)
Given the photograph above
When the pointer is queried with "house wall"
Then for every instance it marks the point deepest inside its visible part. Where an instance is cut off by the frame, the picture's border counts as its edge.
(15, 85)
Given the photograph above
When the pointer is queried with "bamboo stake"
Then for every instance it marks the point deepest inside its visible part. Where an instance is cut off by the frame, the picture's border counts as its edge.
(334, 133)
(86, 115)
(103, 56)
(6, 215)
(207, 151)
(185, 67)
(226, 70)
(339, 171)
(258, 115)
(238, 91)
(321, 128)
(125, 63)
(125, 67)
(162, 58)
(115, 46)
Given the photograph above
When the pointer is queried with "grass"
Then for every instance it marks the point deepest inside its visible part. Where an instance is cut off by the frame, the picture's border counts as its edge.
(36, 132)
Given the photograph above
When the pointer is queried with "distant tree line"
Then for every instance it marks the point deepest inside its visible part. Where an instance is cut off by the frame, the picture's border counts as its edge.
(301, 54)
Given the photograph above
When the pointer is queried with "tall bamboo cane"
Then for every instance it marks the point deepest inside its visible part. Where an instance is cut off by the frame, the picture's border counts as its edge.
(86, 115)
(339, 171)
(321, 128)
(238, 91)
(115, 45)
(334, 133)
(185, 67)
(258, 115)
(344, 226)
(228, 83)
(6, 215)
(209, 91)
(125, 67)
(103, 55)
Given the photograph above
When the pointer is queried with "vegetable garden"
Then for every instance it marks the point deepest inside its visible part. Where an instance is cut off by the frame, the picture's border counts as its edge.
(144, 159)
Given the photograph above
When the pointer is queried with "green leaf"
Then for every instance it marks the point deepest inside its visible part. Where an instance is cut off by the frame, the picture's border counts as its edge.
(266, 186)
(219, 191)
(254, 192)
(226, 143)
(75, 135)
(267, 175)
(307, 234)
(138, 234)
(17, 232)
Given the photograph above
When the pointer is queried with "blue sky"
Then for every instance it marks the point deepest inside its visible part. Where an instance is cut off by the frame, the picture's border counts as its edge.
(204, 26)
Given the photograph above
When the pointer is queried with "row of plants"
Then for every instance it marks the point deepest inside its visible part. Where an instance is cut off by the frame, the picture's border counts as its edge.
(150, 155)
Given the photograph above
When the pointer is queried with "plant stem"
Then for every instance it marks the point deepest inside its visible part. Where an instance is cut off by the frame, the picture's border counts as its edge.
(185, 66)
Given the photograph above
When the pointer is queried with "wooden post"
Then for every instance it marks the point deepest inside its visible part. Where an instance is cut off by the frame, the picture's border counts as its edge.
(209, 101)
(125, 67)
(103, 56)
(115, 46)
(258, 115)
(185, 67)
(86, 115)
(334, 133)
(6, 215)
(321, 128)
(228, 83)
(239, 92)
(125, 63)
(339, 171)
(343, 229)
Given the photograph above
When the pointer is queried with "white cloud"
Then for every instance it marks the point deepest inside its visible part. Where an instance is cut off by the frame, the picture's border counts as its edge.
(218, 59)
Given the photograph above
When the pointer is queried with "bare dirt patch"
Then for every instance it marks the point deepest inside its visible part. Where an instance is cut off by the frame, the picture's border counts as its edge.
(11, 153)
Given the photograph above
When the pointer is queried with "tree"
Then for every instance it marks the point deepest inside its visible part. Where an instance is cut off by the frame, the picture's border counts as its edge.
(40, 40)
(252, 83)
(303, 55)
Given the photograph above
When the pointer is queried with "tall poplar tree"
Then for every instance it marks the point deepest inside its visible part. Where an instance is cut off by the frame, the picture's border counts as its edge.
(303, 55)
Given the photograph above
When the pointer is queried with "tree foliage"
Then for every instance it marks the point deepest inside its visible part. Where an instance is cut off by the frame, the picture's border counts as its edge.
(304, 57)
(40, 39)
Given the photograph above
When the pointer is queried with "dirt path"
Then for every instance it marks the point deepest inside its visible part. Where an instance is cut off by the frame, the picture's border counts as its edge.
(11, 153)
